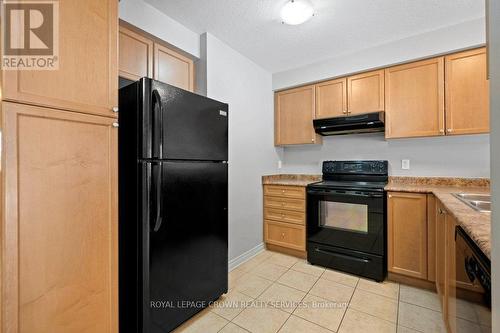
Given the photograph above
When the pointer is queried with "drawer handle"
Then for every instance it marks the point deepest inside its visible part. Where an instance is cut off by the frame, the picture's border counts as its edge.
(282, 191)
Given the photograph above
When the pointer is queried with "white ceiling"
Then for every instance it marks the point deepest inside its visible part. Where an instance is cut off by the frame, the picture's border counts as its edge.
(253, 27)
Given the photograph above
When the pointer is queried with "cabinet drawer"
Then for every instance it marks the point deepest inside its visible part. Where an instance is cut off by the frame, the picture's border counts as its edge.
(285, 203)
(287, 235)
(288, 216)
(285, 191)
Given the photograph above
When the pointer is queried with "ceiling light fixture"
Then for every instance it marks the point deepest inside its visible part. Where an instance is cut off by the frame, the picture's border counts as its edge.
(297, 12)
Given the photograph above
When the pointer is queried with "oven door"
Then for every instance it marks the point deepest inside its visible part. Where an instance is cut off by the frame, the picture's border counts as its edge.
(354, 220)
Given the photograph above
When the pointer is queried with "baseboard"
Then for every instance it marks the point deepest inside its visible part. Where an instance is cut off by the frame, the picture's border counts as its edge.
(233, 263)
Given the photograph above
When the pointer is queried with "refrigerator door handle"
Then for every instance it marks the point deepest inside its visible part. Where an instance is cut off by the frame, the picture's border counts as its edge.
(157, 125)
(158, 181)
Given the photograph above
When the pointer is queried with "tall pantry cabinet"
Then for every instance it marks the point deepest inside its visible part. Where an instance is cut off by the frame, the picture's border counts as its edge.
(59, 264)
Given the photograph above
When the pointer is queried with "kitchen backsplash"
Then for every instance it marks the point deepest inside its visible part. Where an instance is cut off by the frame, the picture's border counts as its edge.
(459, 156)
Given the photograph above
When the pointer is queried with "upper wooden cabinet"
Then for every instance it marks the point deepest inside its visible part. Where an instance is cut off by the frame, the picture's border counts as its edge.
(88, 63)
(136, 55)
(467, 93)
(294, 113)
(407, 234)
(366, 92)
(414, 97)
(59, 231)
(173, 68)
(331, 98)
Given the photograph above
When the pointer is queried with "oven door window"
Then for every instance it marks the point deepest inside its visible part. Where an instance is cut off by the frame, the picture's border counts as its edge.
(345, 216)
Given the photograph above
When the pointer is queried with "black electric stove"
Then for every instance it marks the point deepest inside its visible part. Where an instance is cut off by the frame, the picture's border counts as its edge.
(346, 218)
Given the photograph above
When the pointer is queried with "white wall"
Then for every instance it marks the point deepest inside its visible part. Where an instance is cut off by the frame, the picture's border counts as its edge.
(459, 156)
(494, 18)
(247, 88)
(151, 20)
(464, 35)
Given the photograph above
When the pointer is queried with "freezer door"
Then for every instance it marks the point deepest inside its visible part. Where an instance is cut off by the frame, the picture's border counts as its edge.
(188, 230)
(186, 126)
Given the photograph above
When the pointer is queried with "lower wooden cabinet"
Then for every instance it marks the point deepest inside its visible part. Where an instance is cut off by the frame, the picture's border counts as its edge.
(450, 287)
(441, 253)
(285, 218)
(407, 234)
(59, 221)
(285, 235)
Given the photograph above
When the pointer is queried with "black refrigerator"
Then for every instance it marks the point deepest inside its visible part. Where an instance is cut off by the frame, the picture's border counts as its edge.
(173, 197)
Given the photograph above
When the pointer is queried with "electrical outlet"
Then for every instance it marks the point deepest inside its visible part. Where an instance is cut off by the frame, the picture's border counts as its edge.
(280, 164)
(405, 164)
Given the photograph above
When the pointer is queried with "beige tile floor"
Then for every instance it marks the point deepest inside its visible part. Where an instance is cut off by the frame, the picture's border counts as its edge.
(277, 293)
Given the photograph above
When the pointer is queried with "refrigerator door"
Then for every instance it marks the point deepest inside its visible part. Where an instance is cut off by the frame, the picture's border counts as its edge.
(187, 240)
(182, 125)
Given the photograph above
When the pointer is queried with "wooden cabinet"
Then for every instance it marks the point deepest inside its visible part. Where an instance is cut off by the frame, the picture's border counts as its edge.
(366, 92)
(331, 98)
(88, 63)
(450, 275)
(441, 253)
(294, 113)
(407, 234)
(414, 97)
(285, 218)
(431, 237)
(173, 68)
(135, 54)
(467, 93)
(59, 247)
(285, 235)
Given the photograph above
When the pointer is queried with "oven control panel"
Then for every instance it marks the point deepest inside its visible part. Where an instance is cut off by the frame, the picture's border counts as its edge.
(356, 167)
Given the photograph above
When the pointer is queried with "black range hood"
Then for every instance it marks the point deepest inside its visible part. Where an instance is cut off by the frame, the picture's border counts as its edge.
(360, 123)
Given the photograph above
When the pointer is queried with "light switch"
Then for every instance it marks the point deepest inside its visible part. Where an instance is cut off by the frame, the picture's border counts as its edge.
(280, 164)
(405, 164)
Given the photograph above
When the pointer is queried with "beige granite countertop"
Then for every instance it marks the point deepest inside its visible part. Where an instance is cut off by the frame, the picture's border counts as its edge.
(477, 225)
(290, 179)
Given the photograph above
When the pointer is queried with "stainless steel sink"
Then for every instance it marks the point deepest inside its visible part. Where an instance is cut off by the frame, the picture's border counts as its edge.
(479, 202)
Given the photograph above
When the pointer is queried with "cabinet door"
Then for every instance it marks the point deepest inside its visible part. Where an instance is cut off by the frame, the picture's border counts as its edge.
(450, 269)
(331, 98)
(414, 97)
(173, 68)
(467, 93)
(431, 237)
(294, 113)
(136, 55)
(440, 253)
(407, 234)
(59, 255)
(88, 63)
(366, 92)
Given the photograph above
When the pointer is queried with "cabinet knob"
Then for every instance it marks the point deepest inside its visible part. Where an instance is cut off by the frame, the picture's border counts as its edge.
(390, 195)
(344, 111)
(282, 235)
(312, 140)
(115, 109)
(116, 125)
(441, 130)
(449, 130)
